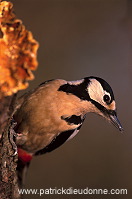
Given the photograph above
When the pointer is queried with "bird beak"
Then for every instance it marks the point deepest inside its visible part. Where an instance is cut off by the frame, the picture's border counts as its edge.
(114, 120)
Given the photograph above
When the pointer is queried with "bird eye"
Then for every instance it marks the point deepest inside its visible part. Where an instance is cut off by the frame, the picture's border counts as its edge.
(107, 99)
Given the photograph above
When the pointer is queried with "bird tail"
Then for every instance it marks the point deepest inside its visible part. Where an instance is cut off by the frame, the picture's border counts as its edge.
(24, 160)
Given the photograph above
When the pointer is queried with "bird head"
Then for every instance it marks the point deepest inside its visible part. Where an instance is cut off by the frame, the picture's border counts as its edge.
(102, 99)
(97, 96)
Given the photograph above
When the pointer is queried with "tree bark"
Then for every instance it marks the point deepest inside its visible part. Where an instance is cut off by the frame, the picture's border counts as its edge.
(8, 175)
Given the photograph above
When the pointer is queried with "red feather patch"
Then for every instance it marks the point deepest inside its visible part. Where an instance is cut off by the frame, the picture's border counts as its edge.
(24, 156)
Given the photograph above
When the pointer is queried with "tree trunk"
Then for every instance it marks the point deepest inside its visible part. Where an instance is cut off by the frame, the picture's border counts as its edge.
(8, 162)
(18, 57)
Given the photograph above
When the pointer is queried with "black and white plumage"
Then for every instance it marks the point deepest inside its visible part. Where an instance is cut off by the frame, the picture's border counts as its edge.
(54, 112)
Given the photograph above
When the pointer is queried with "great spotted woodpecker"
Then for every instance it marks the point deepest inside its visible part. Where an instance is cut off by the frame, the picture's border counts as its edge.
(54, 112)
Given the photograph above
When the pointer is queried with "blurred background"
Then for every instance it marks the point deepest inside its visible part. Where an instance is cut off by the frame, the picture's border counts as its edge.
(80, 38)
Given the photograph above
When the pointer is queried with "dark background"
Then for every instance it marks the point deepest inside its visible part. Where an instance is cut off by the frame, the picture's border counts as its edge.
(79, 39)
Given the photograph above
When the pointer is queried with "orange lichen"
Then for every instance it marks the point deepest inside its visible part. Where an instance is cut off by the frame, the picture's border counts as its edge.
(18, 51)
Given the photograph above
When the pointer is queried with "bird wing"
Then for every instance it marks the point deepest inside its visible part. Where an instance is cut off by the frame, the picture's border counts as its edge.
(59, 140)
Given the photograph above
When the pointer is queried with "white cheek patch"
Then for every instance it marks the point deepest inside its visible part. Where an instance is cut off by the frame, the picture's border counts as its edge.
(96, 91)
(76, 82)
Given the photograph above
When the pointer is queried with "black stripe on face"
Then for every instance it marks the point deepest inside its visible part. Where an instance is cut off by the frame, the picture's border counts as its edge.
(103, 109)
(56, 142)
(74, 119)
(79, 90)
